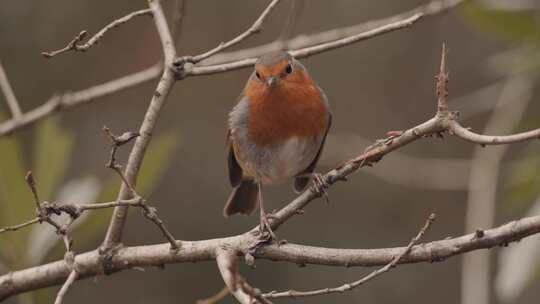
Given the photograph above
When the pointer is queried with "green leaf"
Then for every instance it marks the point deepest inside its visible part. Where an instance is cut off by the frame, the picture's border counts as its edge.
(52, 152)
(511, 25)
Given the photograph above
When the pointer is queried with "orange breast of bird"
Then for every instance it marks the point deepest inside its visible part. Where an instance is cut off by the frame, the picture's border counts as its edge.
(293, 108)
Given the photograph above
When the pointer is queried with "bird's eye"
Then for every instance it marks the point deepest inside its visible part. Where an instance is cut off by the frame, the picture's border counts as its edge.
(258, 75)
(288, 69)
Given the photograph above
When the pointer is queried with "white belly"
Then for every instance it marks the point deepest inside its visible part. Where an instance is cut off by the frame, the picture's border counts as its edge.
(277, 164)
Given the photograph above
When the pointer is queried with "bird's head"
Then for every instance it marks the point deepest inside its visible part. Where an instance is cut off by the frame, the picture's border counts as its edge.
(273, 69)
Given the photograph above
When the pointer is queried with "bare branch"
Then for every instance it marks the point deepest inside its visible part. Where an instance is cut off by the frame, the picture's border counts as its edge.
(372, 275)
(302, 41)
(467, 135)
(114, 233)
(308, 51)
(253, 29)
(240, 59)
(226, 261)
(71, 278)
(11, 100)
(29, 178)
(74, 45)
(236, 284)
(17, 227)
(70, 100)
(441, 85)
(149, 212)
(90, 263)
(483, 181)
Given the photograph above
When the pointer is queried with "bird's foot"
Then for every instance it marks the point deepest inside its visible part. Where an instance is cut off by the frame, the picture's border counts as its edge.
(320, 185)
(265, 230)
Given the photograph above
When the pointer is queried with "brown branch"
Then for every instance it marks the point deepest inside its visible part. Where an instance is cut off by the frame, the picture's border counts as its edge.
(149, 212)
(305, 40)
(114, 233)
(19, 226)
(70, 100)
(467, 135)
(253, 29)
(74, 45)
(226, 261)
(391, 24)
(351, 286)
(11, 100)
(236, 284)
(70, 280)
(90, 263)
(240, 59)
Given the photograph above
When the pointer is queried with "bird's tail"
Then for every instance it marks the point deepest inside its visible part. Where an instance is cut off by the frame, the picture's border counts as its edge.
(243, 199)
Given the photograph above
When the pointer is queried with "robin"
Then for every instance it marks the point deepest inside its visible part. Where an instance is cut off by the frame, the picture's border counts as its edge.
(276, 132)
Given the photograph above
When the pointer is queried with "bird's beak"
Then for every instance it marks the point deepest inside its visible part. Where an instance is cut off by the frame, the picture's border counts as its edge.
(271, 81)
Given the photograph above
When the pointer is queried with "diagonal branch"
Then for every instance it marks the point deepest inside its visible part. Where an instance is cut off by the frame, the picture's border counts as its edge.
(256, 27)
(71, 100)
(353, 285)
(434, 7)
(114, 233)
(226, 261)
(388, 25)
(74, 45)
(11, 100)
(227, 62)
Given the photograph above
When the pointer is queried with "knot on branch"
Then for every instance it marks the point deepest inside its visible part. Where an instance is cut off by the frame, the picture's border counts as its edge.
(182, 67)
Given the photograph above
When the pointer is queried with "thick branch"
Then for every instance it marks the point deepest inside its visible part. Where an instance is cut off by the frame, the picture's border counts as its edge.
(90, 263)
(226, 261)
(114, 233)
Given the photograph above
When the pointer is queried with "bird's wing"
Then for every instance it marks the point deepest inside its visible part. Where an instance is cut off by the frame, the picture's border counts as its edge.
(301, 181)
(235, 172)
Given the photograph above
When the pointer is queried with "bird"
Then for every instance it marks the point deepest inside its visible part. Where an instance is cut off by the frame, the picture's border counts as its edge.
(276, 132)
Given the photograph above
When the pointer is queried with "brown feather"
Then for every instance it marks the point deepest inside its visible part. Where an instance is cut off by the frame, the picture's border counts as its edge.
(294, 107)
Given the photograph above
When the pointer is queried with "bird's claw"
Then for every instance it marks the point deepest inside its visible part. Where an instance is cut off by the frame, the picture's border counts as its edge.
(320, 185)
(265, 229)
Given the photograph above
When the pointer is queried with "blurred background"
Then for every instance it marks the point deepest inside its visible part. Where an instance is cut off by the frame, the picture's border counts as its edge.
(375, 86)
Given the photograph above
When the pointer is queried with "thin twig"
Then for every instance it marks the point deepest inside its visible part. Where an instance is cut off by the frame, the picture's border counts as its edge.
(487, 140)
(352, 285)
(71, 278)
(29, 178)
(441, 86)
(222, 63)
(16, 227)
(74, 45)
(306, 40)
(149, 212)
(253, 29)
(11, 100)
